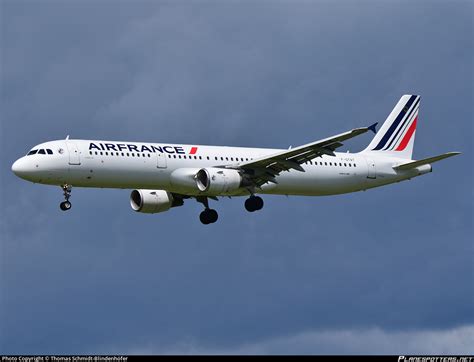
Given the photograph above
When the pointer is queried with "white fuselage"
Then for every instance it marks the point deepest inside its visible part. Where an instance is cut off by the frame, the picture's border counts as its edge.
(132, 165)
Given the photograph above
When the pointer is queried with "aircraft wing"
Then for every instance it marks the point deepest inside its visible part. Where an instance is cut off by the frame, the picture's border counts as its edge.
(264, 169)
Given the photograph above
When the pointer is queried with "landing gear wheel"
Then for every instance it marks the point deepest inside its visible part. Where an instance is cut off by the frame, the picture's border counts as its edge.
(65, 205)
(204, 217)
(258, 203)
(253, 203)
(208, 216)
(213, 215)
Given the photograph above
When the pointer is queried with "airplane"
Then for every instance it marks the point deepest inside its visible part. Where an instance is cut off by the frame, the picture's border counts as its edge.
(162, 175)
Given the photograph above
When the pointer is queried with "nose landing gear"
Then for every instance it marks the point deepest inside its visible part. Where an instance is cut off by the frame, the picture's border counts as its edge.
(66, 205)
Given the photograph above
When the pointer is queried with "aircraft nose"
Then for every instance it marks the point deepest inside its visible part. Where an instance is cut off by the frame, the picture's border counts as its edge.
(19, 167)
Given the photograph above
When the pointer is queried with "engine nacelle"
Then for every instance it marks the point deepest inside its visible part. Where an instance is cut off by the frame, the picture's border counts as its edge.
(151, 201)
(218, 181)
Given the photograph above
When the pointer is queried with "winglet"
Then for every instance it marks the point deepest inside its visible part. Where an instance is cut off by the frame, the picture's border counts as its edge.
(373, 127)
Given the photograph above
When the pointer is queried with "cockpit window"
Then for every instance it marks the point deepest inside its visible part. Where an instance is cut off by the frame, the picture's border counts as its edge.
(32, 152)
(41, 152)
(49, 151)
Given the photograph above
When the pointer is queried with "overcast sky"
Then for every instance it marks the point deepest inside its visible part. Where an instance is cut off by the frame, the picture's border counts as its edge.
(389, 270)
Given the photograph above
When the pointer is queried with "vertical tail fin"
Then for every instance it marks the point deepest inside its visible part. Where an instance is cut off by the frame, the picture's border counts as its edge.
(396, 137)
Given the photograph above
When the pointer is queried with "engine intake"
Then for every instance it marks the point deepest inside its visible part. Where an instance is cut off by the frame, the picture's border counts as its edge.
(218, 181)
(152, 201)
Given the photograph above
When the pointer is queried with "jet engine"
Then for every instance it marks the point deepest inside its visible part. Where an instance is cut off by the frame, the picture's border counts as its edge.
(218, 181)
(152, 201)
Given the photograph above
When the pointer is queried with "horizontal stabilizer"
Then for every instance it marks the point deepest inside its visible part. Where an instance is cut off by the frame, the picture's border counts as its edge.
(414, 164)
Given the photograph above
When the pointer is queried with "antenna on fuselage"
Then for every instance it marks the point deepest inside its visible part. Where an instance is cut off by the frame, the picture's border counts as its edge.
(67, 137)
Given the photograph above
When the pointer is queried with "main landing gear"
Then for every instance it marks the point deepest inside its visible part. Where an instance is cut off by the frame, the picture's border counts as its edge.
(253, 203)
(66, 205)
(208, 216)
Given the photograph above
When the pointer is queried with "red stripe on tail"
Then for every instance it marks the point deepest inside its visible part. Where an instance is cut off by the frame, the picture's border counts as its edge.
(407, 137)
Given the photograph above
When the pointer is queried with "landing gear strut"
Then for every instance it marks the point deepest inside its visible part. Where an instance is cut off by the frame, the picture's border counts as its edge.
(253, 203)
(66, 205)
(208, 216)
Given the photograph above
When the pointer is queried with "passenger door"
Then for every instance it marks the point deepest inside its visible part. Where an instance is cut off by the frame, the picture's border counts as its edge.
(371, 171)
(74, 155)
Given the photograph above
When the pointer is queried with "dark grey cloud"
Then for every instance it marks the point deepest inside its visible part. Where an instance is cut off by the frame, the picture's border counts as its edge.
(340, 342)
(395, 260)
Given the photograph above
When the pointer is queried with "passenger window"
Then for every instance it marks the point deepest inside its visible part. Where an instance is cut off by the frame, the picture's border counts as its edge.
(200, 157)
(41, 152)
(184, 157)
(138, 155)
(179, 156)
(122, 154)
(222, 158)
(216, 158)
(128, 154)
(96, 152)
(208, 157)
(149, 156)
